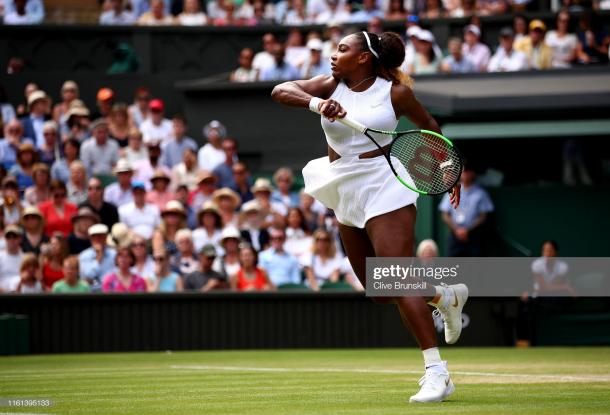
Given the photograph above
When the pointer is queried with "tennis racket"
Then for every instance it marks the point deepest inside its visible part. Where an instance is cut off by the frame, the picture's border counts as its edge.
(432, 160)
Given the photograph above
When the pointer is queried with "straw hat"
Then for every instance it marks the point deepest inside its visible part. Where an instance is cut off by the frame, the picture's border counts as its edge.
(37, 96)
(173, 206)
(98, 229)
(226, 192)
(205, 175)
(160, 174)
(209, 207)
(120, 236)
(31, 211)
(228, 233)
(85, 212)
(122, 166)
(262, 185)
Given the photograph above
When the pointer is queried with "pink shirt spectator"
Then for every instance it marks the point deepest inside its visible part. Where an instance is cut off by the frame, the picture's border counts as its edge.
(112, 284)
(159, 199)
(479, 54)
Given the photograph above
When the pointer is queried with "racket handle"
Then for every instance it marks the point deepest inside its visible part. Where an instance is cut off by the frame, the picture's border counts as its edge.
(361, 128)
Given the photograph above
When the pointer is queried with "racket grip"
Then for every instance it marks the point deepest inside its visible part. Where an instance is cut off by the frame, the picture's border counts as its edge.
(361, 128)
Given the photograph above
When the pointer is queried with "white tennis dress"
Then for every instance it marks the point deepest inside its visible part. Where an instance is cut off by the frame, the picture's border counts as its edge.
(359, 189)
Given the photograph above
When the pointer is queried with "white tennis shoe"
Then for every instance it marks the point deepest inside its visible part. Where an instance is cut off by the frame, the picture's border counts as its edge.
(436, 385)
(450, 310)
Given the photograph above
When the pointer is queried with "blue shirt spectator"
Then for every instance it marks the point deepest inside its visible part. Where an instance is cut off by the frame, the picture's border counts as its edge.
(10, 144)
(34, 12)
(92, 268)
(281, 70)
(281, 267)
(140, 7)
(172, 150)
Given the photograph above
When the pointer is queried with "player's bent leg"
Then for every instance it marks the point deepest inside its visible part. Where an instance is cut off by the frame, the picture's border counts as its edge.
(449, 302)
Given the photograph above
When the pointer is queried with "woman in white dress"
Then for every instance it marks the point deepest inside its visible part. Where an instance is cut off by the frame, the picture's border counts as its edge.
(355, 181)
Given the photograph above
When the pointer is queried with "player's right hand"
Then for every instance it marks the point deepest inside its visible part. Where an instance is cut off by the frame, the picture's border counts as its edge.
(331, 109)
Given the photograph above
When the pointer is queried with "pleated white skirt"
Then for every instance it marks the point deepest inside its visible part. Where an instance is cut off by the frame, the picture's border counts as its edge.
(358, 189)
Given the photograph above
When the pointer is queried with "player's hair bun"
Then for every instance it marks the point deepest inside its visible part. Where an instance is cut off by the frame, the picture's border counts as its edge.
(391, 50)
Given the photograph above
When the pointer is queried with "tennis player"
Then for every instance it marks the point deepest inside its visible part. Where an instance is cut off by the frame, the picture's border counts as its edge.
(376, 213)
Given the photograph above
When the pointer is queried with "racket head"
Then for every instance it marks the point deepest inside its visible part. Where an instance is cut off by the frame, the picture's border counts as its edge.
(432, 161)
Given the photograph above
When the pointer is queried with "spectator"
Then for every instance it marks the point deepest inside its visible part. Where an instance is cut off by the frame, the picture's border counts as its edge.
(434, 10)
(315, 65)
(312, 210)
(323, 264)
(157, 127)
(245, 72)
(27, 156)
(164, 280)
(334, 33)
(539, 54)
(184, 261)
(230, 17)
(182, 196)
(77, 122)
(228, 202)
(252, 220)
(209, 230)
(135, 151)
(562, 42)
(173, 218)
(11, 259)
(224, 171)
(427, 249)
(206, 185)
(396, 11)
(77, 184)
(375, 25)
(192, 14)
(49, 149)
(33, 237)
(144, 264)
(492, 7)
(118, 124)
(466, 223)
(264, 59)
(30, 87)
(157, 16)
(186, 172)
(297, 15)
(456, 62)
(60, 169)
(520, 27)
(145, 169)
(473, 49)
(117, 14)
(228, 262)
(122, 279)
(241, 178)
(52, 259)
(249, 276)
(426, 60)
(71, 283)
(275, 211)
(29, 276)
(98, 153)
(119, 193)
(58, 211)
(141, 217)
(140, 7)
(284, 179)
(79, 240)
(281, 267)
(281, 70)
(2, 240)
(107, 212)
(139, 111)
(9, 146)
(550, 273)
(23, 12)
(205, 279)
(466, 8)
(11, 204)
(211, 154)
(159, 195)
(69, 93)
(506, 59)
(262, 14)
(335, 12)
(295, 51)
(104, 102)
(298, 237)
(39, 192)
(173, 149)
(592, 40)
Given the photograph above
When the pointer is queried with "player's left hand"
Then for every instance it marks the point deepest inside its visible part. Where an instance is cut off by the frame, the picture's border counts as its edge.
(454, 195)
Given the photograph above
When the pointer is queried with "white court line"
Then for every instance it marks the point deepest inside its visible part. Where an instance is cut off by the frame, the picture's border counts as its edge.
(563, 378)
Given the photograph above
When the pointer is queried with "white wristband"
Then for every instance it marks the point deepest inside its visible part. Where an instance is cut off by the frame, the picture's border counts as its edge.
(314, 104)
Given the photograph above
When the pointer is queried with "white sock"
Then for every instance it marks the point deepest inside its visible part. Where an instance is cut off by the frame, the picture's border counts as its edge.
(432, 357)
(443, 295)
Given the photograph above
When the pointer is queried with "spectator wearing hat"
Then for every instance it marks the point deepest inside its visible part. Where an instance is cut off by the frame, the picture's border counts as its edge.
(211, 154)
(78, 240)
(539, 54)
(315, 65)
(10, 202)
(77, 123)
(39, 192)
(33, 230)
(97, 261)
(144, 169)
(23, 12)
(426, 60)
(184, 261)
(506, 59)
(104, 102)
(369, 11)
(119, 193)
(478, 53)
(206, 185)
(11, 259)
(107, 212)
(9, 146)
(117, 15)
(173, 218)
(187, 172)
(456, 62)
(144, 264)
(60, 169)
(27, 156)
(160, 194)
(135, 151)
(29, 276)
(38, 103)
(58, 211)
(163, 278)
(284, 179)
(252, 219)
(77, 184)
(410, 39)
(249, 276)
(227, 262)
(242, 184)
(120, 236)
(139, 111)
(99, 153)
(173, 149)
(141, 217)
(157, 16)
(157, 127)
(123, 279)
(118, 124)
(281, 267)
(205, 279)
(274, 211)
(245, 72)
(228, 202)
(71, 283)
(52, 259)
(209, 230)
(224, 171)
(69, 92)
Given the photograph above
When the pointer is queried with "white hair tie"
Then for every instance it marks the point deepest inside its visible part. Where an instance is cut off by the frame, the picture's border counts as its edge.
(368, 42)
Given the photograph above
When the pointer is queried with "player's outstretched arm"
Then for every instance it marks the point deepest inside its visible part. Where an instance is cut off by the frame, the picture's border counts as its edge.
(299, 93)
